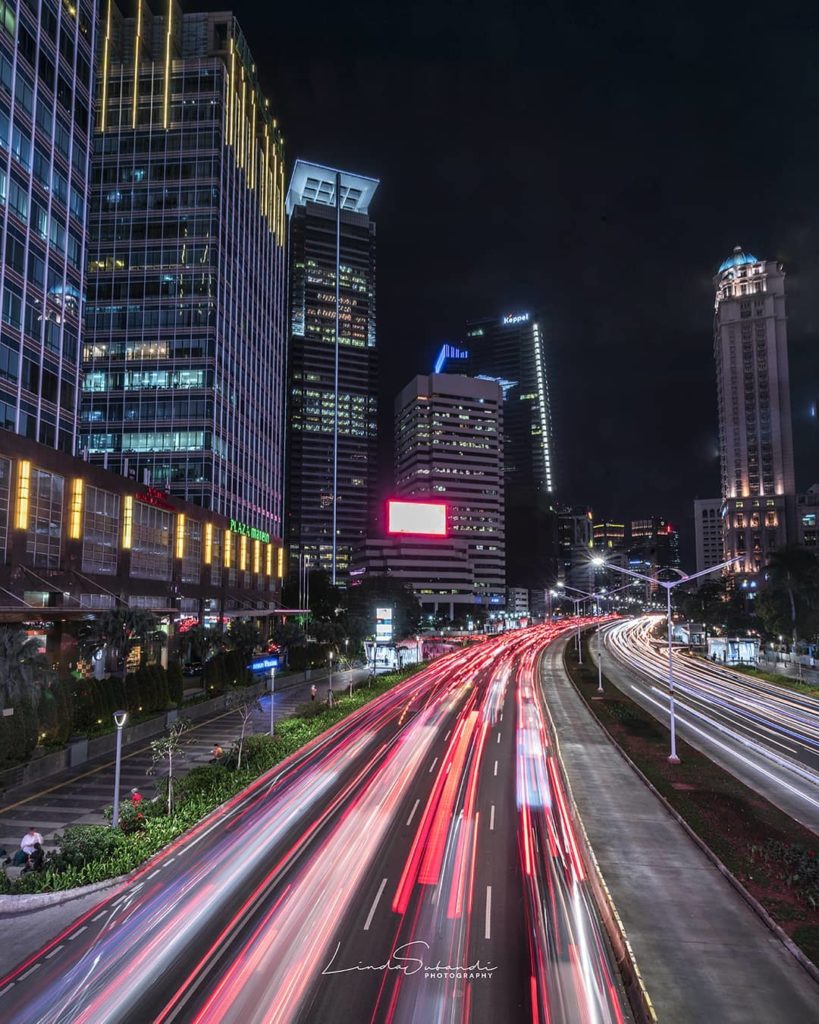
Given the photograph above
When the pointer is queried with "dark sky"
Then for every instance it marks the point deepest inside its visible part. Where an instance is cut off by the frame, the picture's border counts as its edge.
(594, 161)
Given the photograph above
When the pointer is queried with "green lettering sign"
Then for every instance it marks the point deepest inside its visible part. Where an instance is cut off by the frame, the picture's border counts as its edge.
(249, 531)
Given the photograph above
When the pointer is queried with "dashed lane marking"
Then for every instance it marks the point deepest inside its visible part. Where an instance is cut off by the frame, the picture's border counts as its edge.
(369, 920)
(414, 809)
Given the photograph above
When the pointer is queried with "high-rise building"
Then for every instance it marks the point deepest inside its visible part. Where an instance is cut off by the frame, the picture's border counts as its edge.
(46, 103)
(332, 442)
(576, 540)
(756, 444)
(708, 533)
(449, 448)
(654, 544)
(512, 350)
(608, 536)
(185, 345)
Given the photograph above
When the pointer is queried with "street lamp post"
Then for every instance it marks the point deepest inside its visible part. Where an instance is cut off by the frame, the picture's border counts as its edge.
(596, 598)
(272, 701)
(330, 688)
(119, 721)
(669, 586)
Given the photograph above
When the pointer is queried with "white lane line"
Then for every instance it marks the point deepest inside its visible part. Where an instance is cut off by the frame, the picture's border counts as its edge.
(79, 931)
(447, 736)
(102, 913)
(31, 970)
(154, 873)
(496, 768)
(55, 951)
(414, 809)
(501, 717)
(369, 920)
(487, 933)
(432, 766)
(498, 737)
(11, 984)
(492, 818)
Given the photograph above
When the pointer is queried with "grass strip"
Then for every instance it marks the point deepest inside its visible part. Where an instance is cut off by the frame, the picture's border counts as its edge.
(770, 853)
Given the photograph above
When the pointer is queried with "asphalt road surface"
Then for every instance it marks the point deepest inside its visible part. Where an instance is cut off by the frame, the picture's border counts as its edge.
(766, 735)
(418, 863)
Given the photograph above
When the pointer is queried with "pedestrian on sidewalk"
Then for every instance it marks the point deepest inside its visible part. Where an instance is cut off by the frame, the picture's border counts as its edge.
(313, 692)
(136, 797)
(217, 753)
(27, 844)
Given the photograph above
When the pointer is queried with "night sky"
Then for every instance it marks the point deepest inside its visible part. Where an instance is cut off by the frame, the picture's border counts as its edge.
(593, 161)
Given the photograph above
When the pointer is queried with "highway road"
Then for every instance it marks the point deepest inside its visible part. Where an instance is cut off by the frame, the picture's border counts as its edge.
(766, 735)
(416, 863)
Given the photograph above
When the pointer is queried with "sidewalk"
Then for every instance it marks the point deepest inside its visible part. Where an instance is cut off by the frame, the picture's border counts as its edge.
(77, 797)
(703, 953)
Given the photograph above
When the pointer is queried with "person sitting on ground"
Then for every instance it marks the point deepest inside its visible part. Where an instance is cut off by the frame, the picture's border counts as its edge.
(35, 861)
(217, 753)
(313, 692)
(27, 846)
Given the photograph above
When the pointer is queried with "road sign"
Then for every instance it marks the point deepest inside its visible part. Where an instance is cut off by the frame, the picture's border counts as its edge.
(263, 664)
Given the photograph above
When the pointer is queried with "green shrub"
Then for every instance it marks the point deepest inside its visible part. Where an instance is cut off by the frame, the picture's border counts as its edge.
(176, 682)
(81, 844)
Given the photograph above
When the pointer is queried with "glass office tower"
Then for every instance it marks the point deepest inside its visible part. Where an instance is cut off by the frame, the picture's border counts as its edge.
(185, 348)
(333, 369)
(46, 49)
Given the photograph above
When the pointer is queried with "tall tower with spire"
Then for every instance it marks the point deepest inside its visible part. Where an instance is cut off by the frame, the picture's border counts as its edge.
(756, 439)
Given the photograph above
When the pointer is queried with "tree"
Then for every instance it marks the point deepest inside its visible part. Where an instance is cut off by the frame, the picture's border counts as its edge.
(245, 705)
(204, 641)
(23, 669)
(789, 600)
(707, 604)
(244, 637)
(118, 632)
(375, 591)
(169, 748)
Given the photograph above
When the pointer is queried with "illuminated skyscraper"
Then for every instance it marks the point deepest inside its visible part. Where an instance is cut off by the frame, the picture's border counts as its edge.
(184, 354)
(333, 367)
(756, 443)
(448, 447)
(46, 57)
(512, 350)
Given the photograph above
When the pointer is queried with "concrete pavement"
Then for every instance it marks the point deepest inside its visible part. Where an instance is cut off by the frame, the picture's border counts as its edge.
(703, 953)
(77, 797)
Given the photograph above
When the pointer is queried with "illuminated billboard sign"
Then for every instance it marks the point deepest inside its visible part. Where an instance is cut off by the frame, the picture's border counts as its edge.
(515, 318)
(383, 625)
(418, 517)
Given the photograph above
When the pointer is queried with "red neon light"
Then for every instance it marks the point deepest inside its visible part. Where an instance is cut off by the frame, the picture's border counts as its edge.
(424, 518)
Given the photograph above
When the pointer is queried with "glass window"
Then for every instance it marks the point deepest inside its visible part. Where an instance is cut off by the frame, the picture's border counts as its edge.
(151, 542)
(45, 519)
(5, 485)
(100, 531)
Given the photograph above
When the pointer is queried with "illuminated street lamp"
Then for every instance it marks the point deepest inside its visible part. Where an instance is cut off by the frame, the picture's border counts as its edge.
(669, 586)
(330, 688)
(120, 718)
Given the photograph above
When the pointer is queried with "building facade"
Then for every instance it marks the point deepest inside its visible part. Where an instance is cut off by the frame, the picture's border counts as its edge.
(756, 443)
(576, 539)
(708, 532)
(46, 103)
(449, 448)
(512, 349)
(332, 440)
(184, 357)
(76, 539)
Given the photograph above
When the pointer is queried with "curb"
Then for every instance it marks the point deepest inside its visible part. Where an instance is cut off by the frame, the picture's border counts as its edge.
(26, 902)
(752, 902)
(636, 991)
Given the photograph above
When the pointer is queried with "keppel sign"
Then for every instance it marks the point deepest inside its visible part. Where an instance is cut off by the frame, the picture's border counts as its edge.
(515, 318)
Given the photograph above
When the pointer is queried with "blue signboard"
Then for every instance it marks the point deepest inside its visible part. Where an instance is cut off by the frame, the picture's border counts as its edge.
(263, 664)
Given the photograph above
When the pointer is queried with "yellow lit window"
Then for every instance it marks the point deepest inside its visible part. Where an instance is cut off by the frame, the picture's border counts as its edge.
(127, 520)
(280, 568)
(208, 543)
(228, 548)
(75, 522)
(23, 493)
(257, 556)
(243, 552)
(269, 560)
(180, 535)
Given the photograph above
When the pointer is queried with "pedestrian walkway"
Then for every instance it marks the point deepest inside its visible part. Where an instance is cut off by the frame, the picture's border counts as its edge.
(704, 955)
(78, 796)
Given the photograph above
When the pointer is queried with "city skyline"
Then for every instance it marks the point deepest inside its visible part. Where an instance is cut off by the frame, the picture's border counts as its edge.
(608, 209)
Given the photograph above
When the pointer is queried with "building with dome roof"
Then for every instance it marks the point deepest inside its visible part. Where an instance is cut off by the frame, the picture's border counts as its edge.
(753, 389)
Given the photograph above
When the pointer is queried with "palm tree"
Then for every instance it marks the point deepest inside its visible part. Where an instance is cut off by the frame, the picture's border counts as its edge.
(22, 666)
(118, 632)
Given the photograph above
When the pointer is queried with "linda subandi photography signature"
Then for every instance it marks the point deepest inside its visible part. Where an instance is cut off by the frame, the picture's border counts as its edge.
(411, 958)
